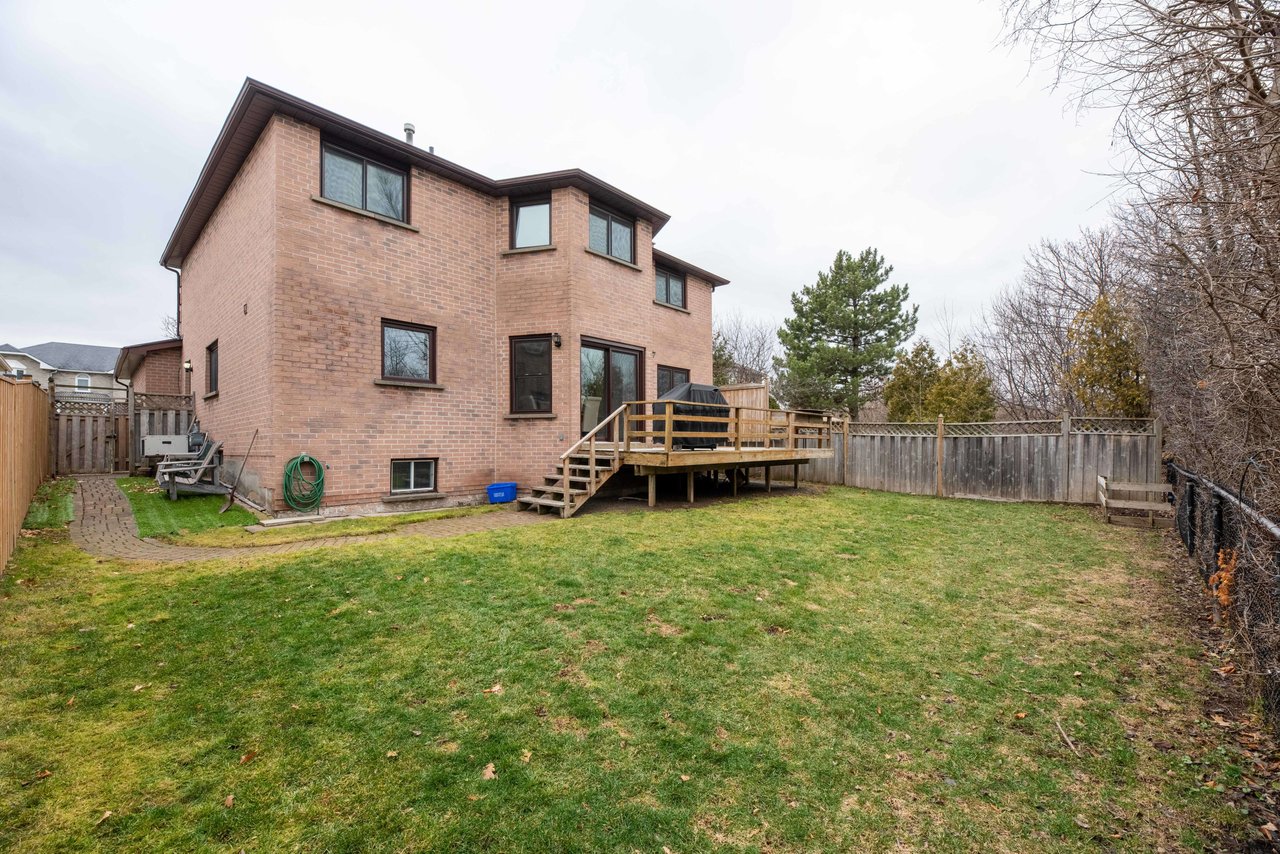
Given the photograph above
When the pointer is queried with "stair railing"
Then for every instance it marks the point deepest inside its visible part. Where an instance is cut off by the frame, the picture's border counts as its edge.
(589, 440)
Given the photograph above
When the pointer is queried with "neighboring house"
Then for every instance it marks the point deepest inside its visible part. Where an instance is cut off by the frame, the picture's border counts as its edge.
(420, 328)
(82, 372)
(153, 368)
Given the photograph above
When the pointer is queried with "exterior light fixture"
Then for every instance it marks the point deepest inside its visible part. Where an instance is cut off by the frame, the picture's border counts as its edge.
(186, 366)
(555, 339)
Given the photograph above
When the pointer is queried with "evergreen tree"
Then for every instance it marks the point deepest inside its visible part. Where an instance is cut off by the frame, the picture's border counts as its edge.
(962, 390)
(909, 384)
(1105, 370)
(840, 343)
(721, 359)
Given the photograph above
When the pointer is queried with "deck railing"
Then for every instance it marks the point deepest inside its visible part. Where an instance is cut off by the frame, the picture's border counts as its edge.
(657, 423)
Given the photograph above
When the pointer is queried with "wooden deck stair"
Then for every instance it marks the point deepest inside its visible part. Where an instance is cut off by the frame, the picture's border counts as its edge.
(582, 470)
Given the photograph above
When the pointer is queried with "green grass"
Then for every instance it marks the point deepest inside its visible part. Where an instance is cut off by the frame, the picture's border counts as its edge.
(847, 671)
(238, 536)
(157, 516)
(52, 506)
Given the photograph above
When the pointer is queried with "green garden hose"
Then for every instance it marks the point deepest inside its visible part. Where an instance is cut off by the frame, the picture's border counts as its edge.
(301, 492)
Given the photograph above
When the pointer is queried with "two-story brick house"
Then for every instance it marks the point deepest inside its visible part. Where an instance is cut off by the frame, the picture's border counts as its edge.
(421, 329)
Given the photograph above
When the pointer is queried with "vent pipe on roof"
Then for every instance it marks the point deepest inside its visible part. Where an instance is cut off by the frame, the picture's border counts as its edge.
(408, 132)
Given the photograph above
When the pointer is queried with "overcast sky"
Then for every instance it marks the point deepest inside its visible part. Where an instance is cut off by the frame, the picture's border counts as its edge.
(772, 137)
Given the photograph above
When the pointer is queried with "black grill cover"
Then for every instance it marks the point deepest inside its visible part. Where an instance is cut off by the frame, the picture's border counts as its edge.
(694, 393)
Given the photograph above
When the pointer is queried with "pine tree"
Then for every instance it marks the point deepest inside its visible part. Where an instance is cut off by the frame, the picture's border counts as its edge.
(1105, 374)
(913, 376)
(963, 389)
(840, 343)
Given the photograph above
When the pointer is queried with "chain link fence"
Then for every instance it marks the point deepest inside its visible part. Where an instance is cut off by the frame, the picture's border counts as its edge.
(1237, 551)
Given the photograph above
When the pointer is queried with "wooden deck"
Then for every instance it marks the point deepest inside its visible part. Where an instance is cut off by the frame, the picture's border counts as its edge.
(699, 437)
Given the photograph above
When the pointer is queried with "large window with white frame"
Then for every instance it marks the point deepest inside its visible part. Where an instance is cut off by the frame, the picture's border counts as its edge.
(82, 383)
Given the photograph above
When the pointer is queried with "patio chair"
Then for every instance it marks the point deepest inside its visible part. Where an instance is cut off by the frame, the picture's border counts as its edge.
(189, 475)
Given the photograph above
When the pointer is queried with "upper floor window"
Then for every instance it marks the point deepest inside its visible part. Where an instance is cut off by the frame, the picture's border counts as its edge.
(408, 351)
(670, 288)
(531, 373)
(669, 378)
(82, 382)
(211, 368)
(361, 183)
(613, 235)
(530, 223)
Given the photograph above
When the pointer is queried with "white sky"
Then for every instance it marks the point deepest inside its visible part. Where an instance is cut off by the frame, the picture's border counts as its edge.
(772, 137)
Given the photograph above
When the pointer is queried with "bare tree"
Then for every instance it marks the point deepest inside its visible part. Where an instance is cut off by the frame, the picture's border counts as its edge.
(1023, 332)
(169, 326)
(745, 348)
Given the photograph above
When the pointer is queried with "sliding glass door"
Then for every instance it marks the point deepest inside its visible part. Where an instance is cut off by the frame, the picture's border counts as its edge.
(612, 374)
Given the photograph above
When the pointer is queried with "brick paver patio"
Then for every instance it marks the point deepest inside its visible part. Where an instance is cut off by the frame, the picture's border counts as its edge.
(104, 526)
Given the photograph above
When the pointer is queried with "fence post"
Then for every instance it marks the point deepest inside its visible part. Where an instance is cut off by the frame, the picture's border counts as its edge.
(1157, 462)
(54, 437)
(1064, 460)
(942, 430)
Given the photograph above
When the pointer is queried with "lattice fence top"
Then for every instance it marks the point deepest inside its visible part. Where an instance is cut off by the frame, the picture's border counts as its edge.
(83, 407)
(1101, 426)
(162, 401)
(1145, 426)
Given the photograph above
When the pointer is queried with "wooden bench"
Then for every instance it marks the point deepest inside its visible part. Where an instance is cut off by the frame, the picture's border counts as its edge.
(1159, 512)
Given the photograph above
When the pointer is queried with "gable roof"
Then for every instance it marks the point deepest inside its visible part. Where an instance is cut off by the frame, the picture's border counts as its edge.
(131, 355)
(65, 356)
(8, 348)
(258, 102)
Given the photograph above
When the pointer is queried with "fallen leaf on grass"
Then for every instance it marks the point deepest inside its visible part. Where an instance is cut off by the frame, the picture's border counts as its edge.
(488, 773)
(229, 802)
(684, 778)
(1081, 821)
(526, 755)
(42, 775)
(1020, 715)
(416, 732)
(475, 797)
(496, 689)
(1077, 674)
(105, 815)
(71, 702)
(392, 754)
(137, 688)
(248, 757)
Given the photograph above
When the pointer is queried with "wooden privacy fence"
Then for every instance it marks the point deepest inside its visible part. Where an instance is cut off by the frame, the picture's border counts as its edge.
(24, 454)
(100, 437)
(1050, 460)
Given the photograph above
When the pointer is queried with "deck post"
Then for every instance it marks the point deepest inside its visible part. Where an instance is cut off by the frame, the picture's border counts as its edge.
(653, 490)
(791, 430)
(768, 478)
(737, 428)
(796, 475)
(733, 476)
(690, 479)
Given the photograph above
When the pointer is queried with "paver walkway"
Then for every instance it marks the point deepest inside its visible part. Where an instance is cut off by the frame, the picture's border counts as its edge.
(104, 526)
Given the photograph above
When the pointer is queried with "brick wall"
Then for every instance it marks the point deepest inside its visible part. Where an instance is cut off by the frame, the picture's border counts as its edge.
(228, 283)
(295, 291)
(160, 372)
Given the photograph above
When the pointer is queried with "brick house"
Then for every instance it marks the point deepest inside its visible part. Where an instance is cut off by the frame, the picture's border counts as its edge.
(421, 329)
(153, 368)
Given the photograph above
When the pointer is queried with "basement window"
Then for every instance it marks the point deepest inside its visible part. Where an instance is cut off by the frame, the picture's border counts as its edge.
(353, 180)
(413, 476)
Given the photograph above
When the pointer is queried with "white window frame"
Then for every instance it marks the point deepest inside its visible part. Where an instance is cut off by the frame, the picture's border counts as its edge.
(83, 389)
(414, 464)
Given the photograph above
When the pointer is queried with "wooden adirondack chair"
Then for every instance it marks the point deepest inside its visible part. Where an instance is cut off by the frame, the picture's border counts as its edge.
(189, 475)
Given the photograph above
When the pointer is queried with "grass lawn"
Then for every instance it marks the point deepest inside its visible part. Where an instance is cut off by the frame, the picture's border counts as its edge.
(238, 536)
(805, 673)
(157, 516)
(53, 505)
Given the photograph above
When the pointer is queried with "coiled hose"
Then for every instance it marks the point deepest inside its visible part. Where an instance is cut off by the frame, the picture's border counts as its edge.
(303, 493)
